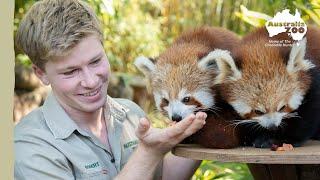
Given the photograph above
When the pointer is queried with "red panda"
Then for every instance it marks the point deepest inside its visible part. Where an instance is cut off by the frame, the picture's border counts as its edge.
(182, 82)
(275, 90)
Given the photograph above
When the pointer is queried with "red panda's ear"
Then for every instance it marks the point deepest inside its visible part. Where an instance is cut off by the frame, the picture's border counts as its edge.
(207, 62)
(225, 65)
(145, 65)
(296, 61)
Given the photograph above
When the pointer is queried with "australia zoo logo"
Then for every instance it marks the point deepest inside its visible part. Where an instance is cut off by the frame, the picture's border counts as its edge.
(284, 22)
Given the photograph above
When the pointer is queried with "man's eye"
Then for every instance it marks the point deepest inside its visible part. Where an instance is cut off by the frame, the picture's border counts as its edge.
(68, 73)
(96, 61)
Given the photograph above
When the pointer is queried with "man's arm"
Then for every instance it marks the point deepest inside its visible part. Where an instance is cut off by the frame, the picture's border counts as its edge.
(155, 143)
(175, 167)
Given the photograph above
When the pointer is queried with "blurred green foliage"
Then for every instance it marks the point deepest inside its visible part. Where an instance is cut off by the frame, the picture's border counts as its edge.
(146, 27)
(222, 171)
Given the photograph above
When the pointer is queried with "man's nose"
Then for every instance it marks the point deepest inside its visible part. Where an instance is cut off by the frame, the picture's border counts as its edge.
(89, 79)
(176, 117)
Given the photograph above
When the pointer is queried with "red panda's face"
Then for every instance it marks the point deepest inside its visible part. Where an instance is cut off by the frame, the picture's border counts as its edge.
(180, 90)
(261, 84)
(266, 98)
(181, 79)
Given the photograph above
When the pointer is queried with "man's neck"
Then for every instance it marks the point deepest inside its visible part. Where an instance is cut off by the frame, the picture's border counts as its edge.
(92, 122)
(89, 121)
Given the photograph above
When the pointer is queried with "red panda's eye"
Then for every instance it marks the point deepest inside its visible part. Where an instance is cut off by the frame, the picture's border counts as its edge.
(186, 99)
(282, 108)
(258, 112)
(165, 101)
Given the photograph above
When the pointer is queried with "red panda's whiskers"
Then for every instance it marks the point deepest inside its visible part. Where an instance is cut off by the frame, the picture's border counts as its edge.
(291, 115)
(213, 110)
(257, 127)
(242, 122)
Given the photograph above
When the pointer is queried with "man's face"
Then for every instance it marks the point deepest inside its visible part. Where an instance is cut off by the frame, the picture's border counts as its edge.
(79, 80)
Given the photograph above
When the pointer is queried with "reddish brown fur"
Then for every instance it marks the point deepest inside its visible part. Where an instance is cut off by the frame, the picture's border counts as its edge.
(177, 69)
(264, 70)
(218, 133)
(177, 66)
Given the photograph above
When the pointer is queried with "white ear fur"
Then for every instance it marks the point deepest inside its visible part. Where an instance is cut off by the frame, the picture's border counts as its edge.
(145, 65)
(207, 62)
(296, 59)
(226, 66)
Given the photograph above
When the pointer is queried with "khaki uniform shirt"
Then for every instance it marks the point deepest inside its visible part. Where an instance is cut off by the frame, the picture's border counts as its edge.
(49, 144)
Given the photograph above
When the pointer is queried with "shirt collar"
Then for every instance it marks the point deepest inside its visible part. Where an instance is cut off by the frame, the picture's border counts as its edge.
(62, 126)
(58, 121)
(116, 110)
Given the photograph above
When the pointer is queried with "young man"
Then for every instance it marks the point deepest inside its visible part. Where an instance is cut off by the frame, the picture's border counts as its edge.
(80, 132)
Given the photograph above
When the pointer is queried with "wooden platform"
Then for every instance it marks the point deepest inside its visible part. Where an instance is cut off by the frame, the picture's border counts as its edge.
(308, 154)
(264, 164)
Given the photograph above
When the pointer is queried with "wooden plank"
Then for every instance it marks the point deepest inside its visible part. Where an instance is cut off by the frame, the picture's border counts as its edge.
(281, 171)
(259, 171)
(308, 154)
(309, 171)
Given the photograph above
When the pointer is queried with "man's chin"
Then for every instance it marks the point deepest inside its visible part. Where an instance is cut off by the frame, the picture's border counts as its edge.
(92, 107)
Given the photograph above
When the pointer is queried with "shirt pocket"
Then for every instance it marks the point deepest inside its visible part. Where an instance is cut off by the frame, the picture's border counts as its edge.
(93, 175)
(94, 171)
(126, 151)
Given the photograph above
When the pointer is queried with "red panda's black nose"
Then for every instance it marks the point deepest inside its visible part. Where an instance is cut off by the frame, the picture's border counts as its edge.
(176, 118)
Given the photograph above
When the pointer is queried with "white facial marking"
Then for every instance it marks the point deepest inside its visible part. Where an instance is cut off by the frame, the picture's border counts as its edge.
(176, 107)
(183, 93)
(241, 107)
(205, 98)
(158, 96)
(270, 119)
(261, 108)
(296, 100)
(157, 99)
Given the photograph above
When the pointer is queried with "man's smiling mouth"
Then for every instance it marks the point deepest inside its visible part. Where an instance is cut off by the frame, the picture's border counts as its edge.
(91, 93)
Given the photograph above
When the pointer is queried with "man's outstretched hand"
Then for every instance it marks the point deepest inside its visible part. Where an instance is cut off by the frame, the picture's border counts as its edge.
(160, 141)
(155, 143)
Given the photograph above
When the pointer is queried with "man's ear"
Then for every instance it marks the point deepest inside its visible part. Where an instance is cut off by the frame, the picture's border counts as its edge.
(41, 74)
(296, 61)
(222, 62)
(145, 65)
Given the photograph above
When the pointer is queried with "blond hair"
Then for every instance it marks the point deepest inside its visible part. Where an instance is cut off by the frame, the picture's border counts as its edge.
(53, 27)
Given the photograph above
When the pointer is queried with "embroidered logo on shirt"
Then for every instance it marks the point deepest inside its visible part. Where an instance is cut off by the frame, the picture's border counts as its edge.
(130, 144)
(93, 165)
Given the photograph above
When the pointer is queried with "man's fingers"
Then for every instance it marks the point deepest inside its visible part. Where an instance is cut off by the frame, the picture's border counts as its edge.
(196, 125)
(143, 127)
(180, 127)
(201, 116)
